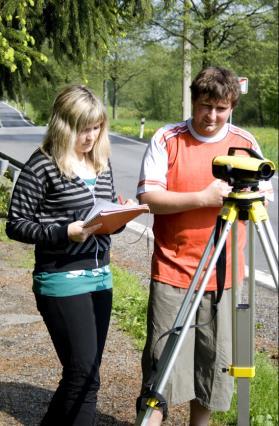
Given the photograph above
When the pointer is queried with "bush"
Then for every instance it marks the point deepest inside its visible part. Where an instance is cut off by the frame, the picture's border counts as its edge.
(5, 191)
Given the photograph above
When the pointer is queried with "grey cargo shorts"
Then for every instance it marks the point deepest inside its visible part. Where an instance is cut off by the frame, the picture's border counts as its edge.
(197, 373)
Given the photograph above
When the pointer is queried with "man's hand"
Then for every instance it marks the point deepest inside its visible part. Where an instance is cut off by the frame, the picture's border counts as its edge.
(212, 195)
(79, 234)
(169, 202)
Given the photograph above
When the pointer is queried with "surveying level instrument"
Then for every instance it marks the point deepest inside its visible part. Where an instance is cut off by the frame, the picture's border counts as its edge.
(242, 172)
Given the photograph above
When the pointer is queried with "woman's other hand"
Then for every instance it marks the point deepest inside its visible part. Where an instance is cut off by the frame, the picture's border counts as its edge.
(77, 233)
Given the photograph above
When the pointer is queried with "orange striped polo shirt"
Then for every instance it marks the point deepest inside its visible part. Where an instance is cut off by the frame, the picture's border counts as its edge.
(181, 238)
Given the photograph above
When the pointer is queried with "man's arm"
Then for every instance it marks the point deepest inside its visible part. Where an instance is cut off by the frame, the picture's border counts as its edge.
(168, 202)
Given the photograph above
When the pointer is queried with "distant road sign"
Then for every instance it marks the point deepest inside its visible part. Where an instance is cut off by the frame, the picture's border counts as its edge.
(243, 82)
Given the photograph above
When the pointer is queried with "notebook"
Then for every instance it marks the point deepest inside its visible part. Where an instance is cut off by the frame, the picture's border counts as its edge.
(112, 216)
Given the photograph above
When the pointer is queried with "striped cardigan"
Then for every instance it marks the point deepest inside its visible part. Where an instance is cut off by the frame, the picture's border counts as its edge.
(44, 203)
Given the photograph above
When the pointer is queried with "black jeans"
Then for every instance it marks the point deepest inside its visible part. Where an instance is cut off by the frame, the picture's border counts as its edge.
(78, 327)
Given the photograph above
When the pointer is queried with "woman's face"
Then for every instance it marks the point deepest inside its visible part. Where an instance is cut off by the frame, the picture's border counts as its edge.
(86, 139)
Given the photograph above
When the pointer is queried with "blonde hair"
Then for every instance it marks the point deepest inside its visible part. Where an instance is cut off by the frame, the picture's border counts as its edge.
(74, 109)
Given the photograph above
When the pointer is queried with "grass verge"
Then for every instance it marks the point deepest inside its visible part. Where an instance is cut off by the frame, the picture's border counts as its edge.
(263, 397)
(3, 236)
(129, 305)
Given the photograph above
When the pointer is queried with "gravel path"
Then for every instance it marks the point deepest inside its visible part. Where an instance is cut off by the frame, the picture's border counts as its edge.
(29, 368)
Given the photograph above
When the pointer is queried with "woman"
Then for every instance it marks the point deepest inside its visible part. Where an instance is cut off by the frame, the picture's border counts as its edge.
(72, 281)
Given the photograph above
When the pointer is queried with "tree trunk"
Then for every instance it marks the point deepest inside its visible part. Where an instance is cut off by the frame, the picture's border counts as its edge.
(208, 14)
(186, 93)
(105, 83)
(260, 109)
(114, 99)
(105, 92)
(206, 43)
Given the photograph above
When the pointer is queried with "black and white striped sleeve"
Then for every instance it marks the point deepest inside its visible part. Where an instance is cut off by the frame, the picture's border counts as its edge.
(23, 224)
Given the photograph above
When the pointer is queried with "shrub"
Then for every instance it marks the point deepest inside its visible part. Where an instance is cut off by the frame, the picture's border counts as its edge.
(5, 191)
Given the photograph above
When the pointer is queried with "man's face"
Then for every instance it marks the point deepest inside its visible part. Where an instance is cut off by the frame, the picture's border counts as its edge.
(209, 115)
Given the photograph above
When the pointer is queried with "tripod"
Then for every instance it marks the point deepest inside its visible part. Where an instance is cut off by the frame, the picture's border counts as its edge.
(243, 206)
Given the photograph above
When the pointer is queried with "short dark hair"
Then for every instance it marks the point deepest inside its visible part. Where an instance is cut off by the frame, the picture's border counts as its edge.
(216, 83)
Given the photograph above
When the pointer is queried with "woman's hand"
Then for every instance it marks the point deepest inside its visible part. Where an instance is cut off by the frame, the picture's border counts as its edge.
(128, 202)
(77, 233)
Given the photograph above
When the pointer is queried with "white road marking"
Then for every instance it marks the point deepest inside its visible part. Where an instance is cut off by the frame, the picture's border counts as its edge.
(20, 114)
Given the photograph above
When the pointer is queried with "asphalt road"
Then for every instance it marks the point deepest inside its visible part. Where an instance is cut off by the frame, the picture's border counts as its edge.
(11, 117)
(19, 138)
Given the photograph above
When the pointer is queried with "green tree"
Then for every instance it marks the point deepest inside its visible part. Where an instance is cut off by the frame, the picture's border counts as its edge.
(218, 29)
(260, 105)
(42, 87)
(156, 91)
(123, 65)
(17, 45)
(241, 35)
(75, 29)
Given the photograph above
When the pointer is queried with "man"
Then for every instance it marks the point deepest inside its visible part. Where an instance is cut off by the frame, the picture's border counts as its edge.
(176, 181)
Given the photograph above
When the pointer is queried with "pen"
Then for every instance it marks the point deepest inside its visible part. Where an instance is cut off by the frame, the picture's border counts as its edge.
(120, 199)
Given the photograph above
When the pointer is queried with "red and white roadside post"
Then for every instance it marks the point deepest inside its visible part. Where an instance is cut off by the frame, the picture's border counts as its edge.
(243, 83)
